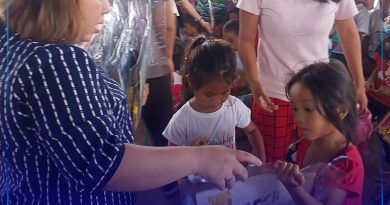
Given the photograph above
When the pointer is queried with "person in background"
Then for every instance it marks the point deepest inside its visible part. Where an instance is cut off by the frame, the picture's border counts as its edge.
(290, 35)
(178, 62)
(378, 84)
(362, 21)
(241, 87)
(158, 108)
(65, 129)
(191, 29)
(326, 115)
(233, 13)
(188, 8)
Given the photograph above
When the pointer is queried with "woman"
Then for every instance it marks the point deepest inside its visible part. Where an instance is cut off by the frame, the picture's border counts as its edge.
(65, 129)
(292, 33)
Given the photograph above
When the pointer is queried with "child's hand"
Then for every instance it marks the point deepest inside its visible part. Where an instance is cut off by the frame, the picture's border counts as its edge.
(384, 91)
(370, 85)
(289, 174)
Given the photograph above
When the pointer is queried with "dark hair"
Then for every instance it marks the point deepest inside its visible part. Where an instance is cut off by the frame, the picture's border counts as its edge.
(333, 91)
(207, 60)
(233, 9)
(232, 26)
(178, 54)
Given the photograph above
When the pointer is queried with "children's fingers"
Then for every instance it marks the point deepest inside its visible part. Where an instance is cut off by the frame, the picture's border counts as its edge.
(299, 177)
(287, 172)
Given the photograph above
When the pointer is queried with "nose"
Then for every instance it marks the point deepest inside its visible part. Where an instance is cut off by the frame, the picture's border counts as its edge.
(299, 118)
(106, 7)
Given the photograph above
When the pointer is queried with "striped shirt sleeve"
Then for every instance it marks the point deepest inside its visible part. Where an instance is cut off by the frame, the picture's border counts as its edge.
(71, 103)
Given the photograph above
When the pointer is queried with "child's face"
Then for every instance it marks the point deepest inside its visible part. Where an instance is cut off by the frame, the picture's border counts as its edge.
(211, 96)
(306, 115)
(190, 30)
(232, 38)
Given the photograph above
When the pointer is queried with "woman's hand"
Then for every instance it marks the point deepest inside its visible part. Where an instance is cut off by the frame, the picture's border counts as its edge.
(261, 97)
(289, 174)
(361, 98)
(222, 166)
(206, 25)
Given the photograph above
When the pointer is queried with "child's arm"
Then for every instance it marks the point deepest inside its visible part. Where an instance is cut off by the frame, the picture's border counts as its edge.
(293, 180)
(370, 84)
(256, 140)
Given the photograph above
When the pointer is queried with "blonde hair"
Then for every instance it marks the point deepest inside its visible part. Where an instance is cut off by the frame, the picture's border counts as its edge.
(54, 21)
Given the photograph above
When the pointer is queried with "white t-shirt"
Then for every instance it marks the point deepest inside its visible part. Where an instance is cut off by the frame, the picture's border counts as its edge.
(189, 127)
(293, 33)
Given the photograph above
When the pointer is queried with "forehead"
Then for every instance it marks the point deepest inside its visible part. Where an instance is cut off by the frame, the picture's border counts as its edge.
(299, 92)
(216, 86)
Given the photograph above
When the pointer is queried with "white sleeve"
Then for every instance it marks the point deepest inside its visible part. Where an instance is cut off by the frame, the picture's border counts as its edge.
(362, 20)
(251, 6)
(346, 9)
(175, 131)
(174, 8)
(243, 113)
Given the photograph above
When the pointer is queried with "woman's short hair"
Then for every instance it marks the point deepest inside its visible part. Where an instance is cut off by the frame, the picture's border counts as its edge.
(54, 21)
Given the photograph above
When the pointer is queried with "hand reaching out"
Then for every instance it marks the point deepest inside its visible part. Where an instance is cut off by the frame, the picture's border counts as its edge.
(222, 166)
(289, 174)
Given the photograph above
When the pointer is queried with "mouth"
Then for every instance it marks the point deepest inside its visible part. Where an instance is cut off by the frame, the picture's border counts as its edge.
(98, 27)
(303, 129)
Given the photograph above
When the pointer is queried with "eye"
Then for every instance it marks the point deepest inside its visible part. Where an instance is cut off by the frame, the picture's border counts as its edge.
(309, 109)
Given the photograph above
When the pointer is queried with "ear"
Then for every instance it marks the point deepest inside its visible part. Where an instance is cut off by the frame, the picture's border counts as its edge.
(343, 113)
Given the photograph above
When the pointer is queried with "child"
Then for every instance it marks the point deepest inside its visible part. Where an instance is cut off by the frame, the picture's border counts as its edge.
(178, 61)
(324, 108)
(191, 29)
(230, 34)
(378, 84)
(209, 114)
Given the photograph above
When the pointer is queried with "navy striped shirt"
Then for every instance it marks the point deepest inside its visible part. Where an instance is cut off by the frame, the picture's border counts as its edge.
(63, 125)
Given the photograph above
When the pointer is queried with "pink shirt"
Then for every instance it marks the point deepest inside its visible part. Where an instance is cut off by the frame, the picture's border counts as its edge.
(293, 33)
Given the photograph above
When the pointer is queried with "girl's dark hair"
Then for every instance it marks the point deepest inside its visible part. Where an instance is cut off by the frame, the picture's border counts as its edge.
(333, 91)
(207, 60)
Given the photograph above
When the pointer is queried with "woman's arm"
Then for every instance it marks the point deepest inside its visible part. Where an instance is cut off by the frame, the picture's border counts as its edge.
(246, 49)
(188, 8)
(350, 41)
(144, 167)
(171, 34)
(256, 141)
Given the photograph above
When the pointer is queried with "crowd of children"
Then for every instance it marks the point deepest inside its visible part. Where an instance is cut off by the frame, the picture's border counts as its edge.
(211, 90)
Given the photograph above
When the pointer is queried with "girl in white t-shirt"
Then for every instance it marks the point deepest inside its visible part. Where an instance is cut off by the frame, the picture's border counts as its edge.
(209, 115)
